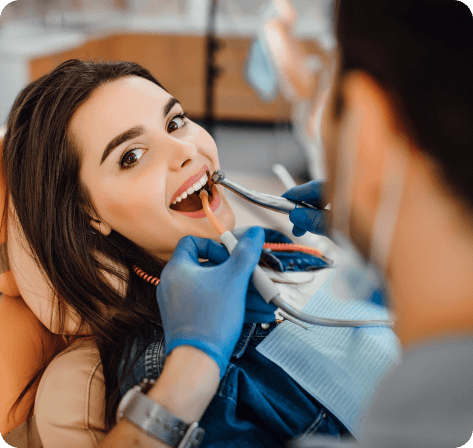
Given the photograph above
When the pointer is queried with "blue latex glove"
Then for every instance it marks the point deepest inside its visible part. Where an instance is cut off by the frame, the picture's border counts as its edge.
(314, 221)
(257, 311)
(204, 306)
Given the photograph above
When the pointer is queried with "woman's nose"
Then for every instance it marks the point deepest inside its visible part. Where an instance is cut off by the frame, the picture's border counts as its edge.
(182, 153)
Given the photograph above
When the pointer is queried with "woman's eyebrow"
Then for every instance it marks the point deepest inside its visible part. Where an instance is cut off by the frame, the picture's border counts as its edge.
(169, 105)
(134, 132)
(131, 133)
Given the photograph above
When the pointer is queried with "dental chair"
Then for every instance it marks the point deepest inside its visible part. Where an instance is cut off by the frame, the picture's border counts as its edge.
(69, 397)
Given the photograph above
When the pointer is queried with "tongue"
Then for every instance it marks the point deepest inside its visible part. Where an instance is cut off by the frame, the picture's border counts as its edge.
(191, 204)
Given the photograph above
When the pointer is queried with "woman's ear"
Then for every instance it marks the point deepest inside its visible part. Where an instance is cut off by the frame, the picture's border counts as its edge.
(101, 227)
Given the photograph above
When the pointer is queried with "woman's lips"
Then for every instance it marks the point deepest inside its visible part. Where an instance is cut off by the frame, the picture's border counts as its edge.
(214, 204)
(189, 182)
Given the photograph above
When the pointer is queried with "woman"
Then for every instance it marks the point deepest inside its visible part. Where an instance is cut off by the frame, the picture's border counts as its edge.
(101, 155)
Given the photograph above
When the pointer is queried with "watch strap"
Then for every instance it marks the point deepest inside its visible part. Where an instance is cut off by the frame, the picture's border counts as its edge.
(158, 422)
(155, 420)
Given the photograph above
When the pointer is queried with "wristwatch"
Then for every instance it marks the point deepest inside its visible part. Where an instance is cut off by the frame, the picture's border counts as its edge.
(156, 420)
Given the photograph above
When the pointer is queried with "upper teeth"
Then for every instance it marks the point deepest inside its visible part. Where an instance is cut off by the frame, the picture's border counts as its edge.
(197, 186)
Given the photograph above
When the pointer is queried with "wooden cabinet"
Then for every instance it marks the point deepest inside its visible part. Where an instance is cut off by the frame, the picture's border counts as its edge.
(178, 62)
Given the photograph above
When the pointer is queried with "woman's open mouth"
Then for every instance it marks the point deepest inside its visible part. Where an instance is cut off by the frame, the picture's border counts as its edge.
(189, 202)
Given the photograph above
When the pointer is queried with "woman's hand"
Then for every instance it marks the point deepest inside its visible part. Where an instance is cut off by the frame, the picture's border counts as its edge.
(314, 221)
(204, 306)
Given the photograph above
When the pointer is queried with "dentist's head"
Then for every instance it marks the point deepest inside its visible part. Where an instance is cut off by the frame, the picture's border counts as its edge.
(399, 141)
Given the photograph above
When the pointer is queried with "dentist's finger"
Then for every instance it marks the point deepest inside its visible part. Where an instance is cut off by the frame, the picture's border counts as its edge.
(311, 192)
(314, 221)
(297, 231)
(191, 248)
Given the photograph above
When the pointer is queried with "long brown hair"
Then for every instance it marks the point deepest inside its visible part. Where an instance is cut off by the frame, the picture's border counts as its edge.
(83, 267)
(42, 167)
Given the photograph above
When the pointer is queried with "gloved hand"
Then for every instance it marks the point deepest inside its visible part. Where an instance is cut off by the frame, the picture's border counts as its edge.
(314, 221)
(204, 306)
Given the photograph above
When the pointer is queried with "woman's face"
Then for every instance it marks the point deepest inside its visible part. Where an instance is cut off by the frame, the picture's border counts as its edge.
(139, 153)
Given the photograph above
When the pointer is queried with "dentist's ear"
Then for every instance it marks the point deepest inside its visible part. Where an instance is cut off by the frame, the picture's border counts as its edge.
(101, 227)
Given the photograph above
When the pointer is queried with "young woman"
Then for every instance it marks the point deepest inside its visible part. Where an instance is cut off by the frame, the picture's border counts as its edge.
(98, 157)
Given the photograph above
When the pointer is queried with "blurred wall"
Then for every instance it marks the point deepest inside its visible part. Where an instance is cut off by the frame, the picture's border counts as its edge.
(165, 36)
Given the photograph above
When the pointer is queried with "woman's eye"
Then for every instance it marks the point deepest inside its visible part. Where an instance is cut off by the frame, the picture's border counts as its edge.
(177, 122)
(131, 157)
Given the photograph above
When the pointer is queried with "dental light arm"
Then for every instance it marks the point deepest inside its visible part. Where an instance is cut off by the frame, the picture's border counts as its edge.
(268, 289)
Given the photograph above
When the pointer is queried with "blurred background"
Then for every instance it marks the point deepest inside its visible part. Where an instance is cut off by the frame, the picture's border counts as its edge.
(250, 71)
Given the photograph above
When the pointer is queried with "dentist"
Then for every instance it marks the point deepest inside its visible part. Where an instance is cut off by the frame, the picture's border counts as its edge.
(399, 146)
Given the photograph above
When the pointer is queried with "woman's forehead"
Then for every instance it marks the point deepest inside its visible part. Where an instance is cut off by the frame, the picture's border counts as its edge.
(130, 92)
(116, 106)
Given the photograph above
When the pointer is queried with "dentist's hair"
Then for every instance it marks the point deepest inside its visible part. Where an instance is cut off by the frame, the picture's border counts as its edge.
(421, 52)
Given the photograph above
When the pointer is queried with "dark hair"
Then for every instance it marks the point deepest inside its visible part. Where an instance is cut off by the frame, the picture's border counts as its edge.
(421, 52)
(42, 166)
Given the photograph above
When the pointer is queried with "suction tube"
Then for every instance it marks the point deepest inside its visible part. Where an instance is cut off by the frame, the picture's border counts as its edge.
(268, 289)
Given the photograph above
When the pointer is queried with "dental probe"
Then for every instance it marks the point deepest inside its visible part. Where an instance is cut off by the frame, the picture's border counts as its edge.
(276, 203)
(268, 289)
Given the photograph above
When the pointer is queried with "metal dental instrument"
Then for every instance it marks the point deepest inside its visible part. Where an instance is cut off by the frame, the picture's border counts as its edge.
(276, 203)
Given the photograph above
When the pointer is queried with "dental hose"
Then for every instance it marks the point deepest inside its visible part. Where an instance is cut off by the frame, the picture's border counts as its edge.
(268, 289)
